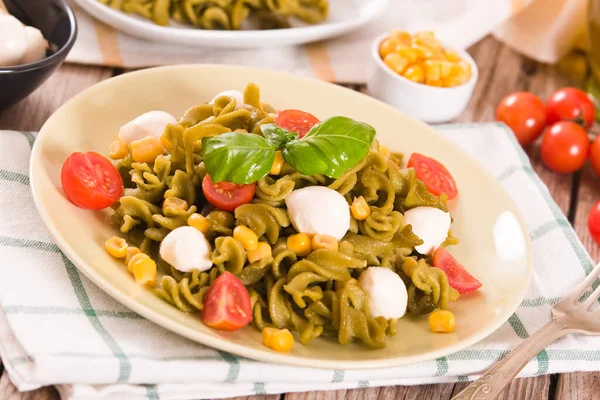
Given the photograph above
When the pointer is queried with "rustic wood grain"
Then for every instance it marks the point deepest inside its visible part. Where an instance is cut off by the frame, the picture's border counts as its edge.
(9, 392)
(31, 113)
(578, 386)
(521, 389)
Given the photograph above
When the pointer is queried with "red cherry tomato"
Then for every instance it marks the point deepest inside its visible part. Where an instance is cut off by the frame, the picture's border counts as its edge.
(458, 277)
(296, 121)
(227, 195)
(565, 147)
(90, 181)
(525, 114)
(435, 176)
(227, 304)
(570, 104)
(595, 155)
(594, 222)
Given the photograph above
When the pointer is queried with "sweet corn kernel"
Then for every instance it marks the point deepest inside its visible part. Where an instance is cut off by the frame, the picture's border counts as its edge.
(388, 46)
(422, 59)
(246, 237)
(401, 37)
(451, 55)
(409, 53)
(324, 242)
(199, 222)
(454, 81)
(299, 244)
(360, 209)
(166, 143)
(414, 73)
(144, 271)
(278, 339)
(427, 39)
(277, 164)
(445, 69)
(146, 150)
(116, 247)
(442, 321)
(396, 62)
(118, 149)
(466, 68)
(437, 83)
(131, 251)
(433, 70)
(137, 257)
(262, 251)
(174, 204)
(424, 53)
(384, 150)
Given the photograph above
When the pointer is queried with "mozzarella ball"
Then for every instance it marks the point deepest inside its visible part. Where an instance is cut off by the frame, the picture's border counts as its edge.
(152, 123)
(431, 225)
(238, 96)
(36, 46)
(185, 248)
(319, 210)
(13, 41)
(386, 292)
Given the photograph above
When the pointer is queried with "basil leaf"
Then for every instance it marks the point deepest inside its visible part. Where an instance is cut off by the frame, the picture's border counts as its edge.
(330, 148)
(237, 157)
(276, 136)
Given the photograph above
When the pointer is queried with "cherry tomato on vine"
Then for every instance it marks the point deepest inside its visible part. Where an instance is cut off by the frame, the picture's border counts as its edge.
(525, 114)
(570, 104)
(594, 222)
(595, 155)
(565, 147)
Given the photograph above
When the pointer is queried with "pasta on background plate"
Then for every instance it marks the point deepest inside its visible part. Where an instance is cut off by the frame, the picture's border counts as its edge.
(225, 14)
(312, 225)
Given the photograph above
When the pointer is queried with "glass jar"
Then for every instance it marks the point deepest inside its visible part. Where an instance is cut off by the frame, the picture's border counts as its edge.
(594, 32)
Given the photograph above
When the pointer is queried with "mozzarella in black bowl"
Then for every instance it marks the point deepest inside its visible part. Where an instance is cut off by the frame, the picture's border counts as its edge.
(56, 22)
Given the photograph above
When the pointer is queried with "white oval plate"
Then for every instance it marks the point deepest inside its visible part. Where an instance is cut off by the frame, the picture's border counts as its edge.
(344, 16)
(483, 214)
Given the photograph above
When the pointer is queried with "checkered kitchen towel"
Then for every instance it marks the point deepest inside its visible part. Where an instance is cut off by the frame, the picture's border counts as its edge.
(56, 327)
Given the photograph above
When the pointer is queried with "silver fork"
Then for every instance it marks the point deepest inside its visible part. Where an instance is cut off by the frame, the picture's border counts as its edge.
(569, 315)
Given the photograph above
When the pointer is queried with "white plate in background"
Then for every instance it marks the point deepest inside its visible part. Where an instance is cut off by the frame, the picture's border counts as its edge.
(344, 16)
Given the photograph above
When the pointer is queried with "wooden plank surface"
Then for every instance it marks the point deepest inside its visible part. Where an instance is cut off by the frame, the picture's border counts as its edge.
(501, 71)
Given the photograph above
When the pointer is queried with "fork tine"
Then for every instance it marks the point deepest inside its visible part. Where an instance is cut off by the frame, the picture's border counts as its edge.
(579, 290)
(592, 298)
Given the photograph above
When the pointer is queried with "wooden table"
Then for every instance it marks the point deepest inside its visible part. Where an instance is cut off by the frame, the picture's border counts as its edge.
(501, 71)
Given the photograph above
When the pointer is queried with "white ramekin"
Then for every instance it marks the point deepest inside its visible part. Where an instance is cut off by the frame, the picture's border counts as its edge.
(428, 103)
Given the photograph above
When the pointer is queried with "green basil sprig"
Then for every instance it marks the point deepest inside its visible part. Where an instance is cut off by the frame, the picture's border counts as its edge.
(330, 148)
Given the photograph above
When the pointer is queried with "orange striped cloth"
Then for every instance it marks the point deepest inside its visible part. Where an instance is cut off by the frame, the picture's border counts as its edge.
(344, 59)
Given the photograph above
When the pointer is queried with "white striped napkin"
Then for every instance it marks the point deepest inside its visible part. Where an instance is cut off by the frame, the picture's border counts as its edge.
(56, 327)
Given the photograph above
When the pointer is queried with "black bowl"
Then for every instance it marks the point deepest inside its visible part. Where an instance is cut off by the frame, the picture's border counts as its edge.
(57, 22)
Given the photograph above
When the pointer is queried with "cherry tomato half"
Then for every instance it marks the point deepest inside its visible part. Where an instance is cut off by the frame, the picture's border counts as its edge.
(565, 147)
(90, 181)
(594, 222)
(595, 155)
(227, 195)
(435, 176)
(296, 121)
(227, 304)
(570, 104)
(525, 114)
(458, 277)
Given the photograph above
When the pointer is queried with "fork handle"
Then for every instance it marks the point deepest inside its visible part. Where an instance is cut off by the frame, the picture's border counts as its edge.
(496, 379)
